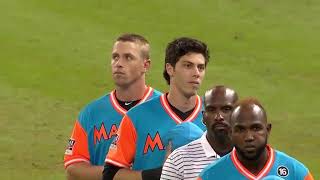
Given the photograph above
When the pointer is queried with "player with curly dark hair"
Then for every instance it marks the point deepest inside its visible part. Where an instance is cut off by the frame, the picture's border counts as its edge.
(181, 47)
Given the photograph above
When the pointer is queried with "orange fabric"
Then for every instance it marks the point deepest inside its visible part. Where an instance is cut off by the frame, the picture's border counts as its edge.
(121, 152)
(309, 177)
(199, 178)
(77, 150)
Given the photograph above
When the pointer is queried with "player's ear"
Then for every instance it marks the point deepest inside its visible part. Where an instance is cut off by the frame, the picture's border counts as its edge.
(269, 126)
(169, 69)
(146, 64)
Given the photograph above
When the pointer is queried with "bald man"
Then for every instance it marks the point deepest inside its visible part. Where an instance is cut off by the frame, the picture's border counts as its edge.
(188, 161)
(252, 158)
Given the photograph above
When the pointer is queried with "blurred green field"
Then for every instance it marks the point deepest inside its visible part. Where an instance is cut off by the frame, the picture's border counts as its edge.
(55, 56)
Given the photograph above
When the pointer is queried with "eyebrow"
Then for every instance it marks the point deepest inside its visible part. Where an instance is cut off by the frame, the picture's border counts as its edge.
(188, 61)
(238, 125)
(115, 53)
(228, 105)
(253, 124)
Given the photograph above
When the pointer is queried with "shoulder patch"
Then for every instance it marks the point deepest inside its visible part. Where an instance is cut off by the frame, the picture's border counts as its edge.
(283, 171)
(69, 149)
(113, 145)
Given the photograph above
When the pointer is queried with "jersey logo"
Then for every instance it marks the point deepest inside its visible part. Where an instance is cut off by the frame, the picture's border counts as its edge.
(70, 146)
(128, 103)
(102, 133)
(152, 143)
(283, 171)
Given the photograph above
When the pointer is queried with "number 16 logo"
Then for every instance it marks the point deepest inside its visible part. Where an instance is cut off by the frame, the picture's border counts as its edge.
(283, 171)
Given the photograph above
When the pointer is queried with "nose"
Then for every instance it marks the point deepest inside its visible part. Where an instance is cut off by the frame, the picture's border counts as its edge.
(218, 117)
(118, 62)
(249, 136)
(196, 72)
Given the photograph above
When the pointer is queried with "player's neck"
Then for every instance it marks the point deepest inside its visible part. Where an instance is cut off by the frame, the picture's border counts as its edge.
(220, 146)
(255, 166)
(131, 93)
(181, 102)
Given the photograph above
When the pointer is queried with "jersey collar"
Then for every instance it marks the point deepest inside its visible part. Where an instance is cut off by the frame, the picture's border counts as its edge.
(173, 115)
(244, 171)
(121, 110)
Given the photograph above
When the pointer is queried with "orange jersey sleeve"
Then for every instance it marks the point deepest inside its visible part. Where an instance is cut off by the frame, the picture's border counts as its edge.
(77, 149)
(122, 150)
(309, 177)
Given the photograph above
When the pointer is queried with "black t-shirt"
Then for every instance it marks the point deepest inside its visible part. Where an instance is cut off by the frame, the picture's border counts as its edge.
(127, 104)
(182, 115)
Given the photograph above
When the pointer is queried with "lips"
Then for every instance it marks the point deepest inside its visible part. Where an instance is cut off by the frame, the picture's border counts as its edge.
(250, 148)
(220, 125)
(194, 82)
(118, 73)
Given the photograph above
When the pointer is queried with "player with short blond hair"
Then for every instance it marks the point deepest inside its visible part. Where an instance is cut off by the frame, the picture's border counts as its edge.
(99, 121)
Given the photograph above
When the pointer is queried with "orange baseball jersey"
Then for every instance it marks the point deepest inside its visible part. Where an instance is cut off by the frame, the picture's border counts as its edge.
(140, 144)
(95, 129)
(278, 166)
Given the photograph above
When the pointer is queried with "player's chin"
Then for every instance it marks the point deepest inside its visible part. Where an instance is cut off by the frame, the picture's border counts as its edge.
(194, 90)
(220, 131)
(190, 94)
(195, 87)
(121, 82)
(251, 155)
(119, 78)
(221, 134)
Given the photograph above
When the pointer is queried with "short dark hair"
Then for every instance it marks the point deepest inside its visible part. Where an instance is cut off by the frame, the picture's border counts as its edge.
(136, 38)
(180, 47)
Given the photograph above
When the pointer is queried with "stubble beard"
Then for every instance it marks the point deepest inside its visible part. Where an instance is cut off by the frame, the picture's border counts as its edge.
(259, 152)
(221, 136)
(124, 83)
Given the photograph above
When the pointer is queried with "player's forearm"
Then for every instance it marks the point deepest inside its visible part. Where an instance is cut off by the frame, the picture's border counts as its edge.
(118, 173)
(124, 174)
(150, 174)
(84, 171)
